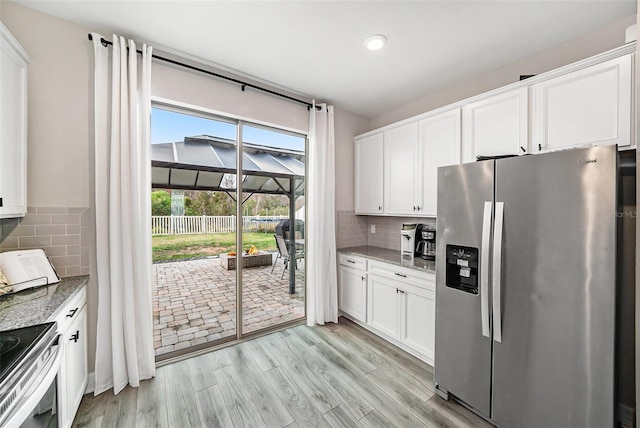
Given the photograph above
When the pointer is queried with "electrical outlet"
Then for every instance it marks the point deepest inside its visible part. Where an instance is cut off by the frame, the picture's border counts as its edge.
(373, 228)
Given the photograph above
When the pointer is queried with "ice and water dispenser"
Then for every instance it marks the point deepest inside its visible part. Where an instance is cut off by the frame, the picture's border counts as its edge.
(462, 268)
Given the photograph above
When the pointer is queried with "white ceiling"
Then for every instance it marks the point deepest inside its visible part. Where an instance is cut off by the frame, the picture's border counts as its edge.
(315, 48)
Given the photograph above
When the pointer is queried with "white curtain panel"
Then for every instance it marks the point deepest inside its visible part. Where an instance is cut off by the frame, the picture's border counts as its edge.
(322, 280)
(122, 104)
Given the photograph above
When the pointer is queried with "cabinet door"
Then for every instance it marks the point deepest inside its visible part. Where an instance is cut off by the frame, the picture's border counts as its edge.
(401, 188)
(495, 126)
(369, 179)
(75, 364)
(382, 305)
(440, 146)
(13, 129)
(353, 292)
(589, 106)
(418, 320)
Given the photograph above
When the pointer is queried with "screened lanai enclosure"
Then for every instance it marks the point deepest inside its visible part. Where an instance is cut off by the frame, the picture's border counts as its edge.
(210, 300)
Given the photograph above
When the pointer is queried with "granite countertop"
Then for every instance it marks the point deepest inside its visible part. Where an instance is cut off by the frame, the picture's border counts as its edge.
(37, 305)
(391, 256)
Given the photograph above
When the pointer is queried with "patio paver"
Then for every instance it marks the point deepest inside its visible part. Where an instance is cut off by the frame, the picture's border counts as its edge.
(194, 301)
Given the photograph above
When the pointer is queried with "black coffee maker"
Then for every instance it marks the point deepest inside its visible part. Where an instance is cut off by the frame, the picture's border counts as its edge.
(426, 242)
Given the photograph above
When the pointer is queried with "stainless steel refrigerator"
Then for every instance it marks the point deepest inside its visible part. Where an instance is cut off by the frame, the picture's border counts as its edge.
(525, 287)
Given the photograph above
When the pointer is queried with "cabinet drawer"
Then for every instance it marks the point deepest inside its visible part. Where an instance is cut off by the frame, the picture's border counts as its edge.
(405, 275)
(352, 261)
(69, 312)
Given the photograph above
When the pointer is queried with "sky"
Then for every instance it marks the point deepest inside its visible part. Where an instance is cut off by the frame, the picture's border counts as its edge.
(168, 126)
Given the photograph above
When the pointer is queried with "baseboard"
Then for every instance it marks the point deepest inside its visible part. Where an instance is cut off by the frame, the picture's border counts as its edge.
(91, 383)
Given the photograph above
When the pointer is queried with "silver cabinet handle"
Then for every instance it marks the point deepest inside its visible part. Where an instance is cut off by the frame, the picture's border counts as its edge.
(399, 274)
(484, 269)
(497, 272)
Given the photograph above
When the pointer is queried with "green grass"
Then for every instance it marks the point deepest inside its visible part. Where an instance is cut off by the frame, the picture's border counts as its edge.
(184, 247)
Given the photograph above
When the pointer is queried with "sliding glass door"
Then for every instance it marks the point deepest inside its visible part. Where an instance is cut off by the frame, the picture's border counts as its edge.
(273, 280)
(228, 247)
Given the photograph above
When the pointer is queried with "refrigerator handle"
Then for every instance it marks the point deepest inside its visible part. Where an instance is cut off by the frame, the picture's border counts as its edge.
(484, 269)
(497, 272)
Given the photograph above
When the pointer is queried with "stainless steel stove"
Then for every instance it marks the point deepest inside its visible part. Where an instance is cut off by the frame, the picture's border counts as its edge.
(28, 358)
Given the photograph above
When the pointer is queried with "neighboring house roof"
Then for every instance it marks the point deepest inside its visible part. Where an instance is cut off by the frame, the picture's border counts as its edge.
(209, 163)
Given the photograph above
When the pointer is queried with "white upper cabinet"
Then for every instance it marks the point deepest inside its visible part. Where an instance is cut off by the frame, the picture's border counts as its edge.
(369, 178)
(439, 146)
(402, 183)
(13, 126)
(495, 126)
(588, 106)
(589, 102)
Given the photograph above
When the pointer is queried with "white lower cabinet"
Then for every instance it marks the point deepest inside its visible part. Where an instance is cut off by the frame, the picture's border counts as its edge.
(352, 281)
(383, 305)
(417, 326)
(73, 373)
(75, 364)
(397, 303)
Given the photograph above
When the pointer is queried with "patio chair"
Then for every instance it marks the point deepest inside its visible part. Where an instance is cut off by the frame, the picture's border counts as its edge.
(283, 253)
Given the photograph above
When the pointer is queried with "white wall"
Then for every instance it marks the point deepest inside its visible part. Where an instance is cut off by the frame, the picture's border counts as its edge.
(197, 89)
(347, 125)
(601, 40)
(58, 106)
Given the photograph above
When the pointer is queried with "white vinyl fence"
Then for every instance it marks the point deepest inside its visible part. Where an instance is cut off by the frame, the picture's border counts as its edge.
(183, 225)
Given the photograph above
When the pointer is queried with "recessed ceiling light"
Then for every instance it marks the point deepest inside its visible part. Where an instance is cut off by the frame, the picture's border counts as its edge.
(375, 42)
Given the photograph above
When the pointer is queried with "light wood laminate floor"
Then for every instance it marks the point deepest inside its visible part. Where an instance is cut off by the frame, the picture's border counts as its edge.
(338, 375)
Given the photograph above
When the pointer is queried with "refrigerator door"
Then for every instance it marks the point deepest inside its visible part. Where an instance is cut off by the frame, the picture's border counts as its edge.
(462, 353)
(554, 365)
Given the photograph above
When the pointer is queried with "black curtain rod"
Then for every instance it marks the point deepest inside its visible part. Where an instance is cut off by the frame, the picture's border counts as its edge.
(242, 84)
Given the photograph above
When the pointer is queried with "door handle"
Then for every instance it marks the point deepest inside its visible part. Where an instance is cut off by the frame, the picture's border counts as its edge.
(76, 336)
(350, 261)
(72, 312)
(484, 269)
(399, 274)
(497, 272)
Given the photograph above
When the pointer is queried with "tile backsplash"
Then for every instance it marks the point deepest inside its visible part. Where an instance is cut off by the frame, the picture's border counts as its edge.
(351, 229)
(62, 232)
(355, 230)
(388, 230)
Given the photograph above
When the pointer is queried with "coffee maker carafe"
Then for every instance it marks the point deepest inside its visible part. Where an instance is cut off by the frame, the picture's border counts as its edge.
(426, 246)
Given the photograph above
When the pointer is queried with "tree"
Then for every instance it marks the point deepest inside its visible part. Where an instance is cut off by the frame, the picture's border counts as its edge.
(160, 202)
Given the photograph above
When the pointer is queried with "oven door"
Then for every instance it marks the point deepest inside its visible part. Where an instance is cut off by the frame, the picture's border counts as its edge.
(39, 404)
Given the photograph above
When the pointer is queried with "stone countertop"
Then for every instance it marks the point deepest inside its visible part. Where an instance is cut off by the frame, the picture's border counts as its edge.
(391, 256)
(37, 305)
